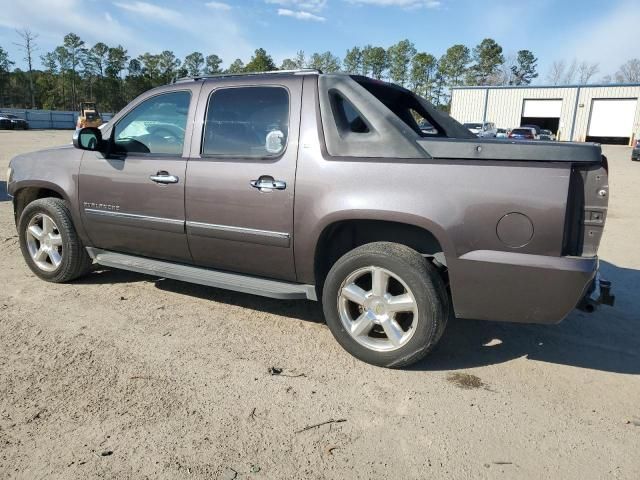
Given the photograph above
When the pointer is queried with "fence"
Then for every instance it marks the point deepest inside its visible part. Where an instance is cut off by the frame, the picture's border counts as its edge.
(53, 119)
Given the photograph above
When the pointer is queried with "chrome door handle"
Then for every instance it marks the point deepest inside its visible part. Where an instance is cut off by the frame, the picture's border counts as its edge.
(266, 183)
(164, 177)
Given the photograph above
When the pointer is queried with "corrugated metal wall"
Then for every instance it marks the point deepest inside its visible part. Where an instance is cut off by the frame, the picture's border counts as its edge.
(504, 105)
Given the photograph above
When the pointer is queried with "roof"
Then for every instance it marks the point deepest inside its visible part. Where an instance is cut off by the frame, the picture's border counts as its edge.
(509, 87)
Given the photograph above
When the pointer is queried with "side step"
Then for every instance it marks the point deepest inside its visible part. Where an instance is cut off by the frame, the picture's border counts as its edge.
(204, 276)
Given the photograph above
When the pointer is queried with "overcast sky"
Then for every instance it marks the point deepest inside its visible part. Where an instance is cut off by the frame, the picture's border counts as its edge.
(596, 31)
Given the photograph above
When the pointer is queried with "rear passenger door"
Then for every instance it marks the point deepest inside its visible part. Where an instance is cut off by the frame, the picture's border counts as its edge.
(241, 177)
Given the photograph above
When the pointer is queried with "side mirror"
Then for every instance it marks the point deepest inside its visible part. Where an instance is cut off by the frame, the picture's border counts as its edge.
(88, 138)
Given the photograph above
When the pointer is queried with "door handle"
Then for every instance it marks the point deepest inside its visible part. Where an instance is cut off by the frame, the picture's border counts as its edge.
(266, 183)
(164, 178)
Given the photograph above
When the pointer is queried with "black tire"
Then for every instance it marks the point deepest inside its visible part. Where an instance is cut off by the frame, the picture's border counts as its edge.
(75, 260)
(421, 278)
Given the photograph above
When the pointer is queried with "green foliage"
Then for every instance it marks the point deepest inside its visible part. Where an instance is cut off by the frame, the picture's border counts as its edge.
(399, 57)
(213, 63)
(353, 61)
(193, 64)
(454, 64)
(524, 71)
(487, 57)
(236, 67)
(260, 62)
(374, 61)
(327, 62)
(423, 72)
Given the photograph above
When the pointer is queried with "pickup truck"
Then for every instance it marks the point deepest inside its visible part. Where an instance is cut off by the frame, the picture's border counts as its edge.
(303, 185)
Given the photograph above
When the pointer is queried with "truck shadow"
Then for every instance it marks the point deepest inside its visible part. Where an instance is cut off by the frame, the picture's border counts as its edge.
(607, 340)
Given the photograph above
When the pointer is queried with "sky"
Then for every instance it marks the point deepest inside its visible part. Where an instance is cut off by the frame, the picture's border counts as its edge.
(604, 32)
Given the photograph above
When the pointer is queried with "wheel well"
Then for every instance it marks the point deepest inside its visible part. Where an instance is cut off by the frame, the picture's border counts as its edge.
(27, 195)
(341, 237)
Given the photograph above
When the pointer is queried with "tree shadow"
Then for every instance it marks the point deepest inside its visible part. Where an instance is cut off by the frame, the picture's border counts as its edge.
(4, 196)
(607, 340)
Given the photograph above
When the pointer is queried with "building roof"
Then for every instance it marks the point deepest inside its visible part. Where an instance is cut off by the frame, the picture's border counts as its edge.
(509, 87)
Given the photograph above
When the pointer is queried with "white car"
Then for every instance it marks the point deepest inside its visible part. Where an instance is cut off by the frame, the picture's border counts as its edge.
(502, 133)
(484, 130)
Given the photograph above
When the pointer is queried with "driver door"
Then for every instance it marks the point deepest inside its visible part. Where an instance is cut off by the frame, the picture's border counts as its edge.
(132, 199)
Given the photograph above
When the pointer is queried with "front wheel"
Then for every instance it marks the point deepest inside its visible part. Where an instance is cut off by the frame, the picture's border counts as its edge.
(49, 242)
(385, 304)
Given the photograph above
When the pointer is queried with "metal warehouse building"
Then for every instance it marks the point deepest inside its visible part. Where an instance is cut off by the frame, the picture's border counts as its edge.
(599, 113)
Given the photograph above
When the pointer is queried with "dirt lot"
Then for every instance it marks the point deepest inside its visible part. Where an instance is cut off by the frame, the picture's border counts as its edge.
(124, 376)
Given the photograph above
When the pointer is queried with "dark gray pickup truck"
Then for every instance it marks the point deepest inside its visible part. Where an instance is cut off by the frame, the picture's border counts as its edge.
(300, 185)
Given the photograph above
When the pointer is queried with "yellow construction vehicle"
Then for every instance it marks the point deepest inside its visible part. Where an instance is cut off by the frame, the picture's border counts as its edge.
(89, 115)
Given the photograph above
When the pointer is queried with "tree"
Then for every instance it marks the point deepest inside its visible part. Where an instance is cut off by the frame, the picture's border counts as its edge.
(586, 71)
(260, 62)
(629, 72)
(296, 63)
(62, 57)
(98, 55)
(75, 51)
(193, 64)
(423, 72)
(454, 64)
(168, 65)
(487, 57)
(399, 58)
(327, 62)
(374, 61)
(28, 46)
(524, 70)
(353, 60)
(212, 65)
(5, 66)
(236, 67)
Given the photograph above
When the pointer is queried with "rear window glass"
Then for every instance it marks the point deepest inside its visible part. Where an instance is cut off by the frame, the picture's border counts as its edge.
(347, 118)
(525, 131)
(247, 122)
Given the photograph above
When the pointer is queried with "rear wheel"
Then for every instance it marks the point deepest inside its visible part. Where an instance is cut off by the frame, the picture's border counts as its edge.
(49, 242)
(385, 304)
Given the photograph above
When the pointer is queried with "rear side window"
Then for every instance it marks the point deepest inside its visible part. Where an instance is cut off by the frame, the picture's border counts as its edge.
(347, 118)
(247, 122)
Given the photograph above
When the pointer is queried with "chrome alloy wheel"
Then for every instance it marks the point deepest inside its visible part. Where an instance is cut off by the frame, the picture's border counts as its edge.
(44, 242)
(377, 309)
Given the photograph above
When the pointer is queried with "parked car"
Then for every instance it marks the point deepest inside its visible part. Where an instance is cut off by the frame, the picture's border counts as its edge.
(502, 133)
(546, 135)
(523, 133)
(483, 130)
(635, 153)
(17, 123)
(323, 187)
(536, 128)
(5, 122)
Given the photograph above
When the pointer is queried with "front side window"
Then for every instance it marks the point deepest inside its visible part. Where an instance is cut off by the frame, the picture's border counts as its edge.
(247, 122)
(155, 126)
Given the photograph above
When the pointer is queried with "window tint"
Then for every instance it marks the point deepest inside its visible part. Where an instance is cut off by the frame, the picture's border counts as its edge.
(347, 117)
(247, 122)
(157, 125)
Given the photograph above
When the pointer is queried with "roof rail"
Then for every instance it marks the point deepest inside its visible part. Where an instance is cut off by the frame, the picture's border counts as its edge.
(300, 71)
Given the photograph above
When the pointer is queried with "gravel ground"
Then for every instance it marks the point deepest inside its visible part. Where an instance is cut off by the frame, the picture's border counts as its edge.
(119, 375)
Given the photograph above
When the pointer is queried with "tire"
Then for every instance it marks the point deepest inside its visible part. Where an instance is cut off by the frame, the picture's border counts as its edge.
(71, 260)
(353, 301)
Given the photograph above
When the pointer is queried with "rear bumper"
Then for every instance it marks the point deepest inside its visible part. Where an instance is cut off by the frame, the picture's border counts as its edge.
(517, 287)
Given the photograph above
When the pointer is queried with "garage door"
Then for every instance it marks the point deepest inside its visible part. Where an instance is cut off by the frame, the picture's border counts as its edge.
(542, 108)
(612, 118)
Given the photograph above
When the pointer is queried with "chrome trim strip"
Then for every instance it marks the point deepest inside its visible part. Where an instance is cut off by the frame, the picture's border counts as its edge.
(134, 216)
(230, 228)
(135, 220)
(238, 234)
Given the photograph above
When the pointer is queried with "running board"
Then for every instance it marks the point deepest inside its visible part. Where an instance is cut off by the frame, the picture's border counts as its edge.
(204, 276)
